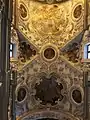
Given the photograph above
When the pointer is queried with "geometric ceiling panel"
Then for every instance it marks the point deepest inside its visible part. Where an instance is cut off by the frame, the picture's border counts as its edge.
(49, 73)
(50, 86)
(56, 23)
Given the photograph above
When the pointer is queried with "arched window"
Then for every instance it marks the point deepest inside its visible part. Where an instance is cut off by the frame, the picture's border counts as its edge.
(13, 50)
(87, 51)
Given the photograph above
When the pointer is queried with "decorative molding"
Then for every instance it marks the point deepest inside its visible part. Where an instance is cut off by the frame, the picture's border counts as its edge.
(60, 115)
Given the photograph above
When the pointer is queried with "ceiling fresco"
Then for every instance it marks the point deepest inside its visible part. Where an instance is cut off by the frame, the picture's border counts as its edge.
(49, 37)
(43, 23)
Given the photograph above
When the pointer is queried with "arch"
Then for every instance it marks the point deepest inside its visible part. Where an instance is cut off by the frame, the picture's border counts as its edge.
(59, 115)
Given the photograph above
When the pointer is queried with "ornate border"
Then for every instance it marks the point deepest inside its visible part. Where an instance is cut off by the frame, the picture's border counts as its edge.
(60, 115)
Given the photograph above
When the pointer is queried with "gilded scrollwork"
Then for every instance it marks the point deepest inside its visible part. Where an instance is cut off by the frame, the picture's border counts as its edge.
(52, 23)
(48, 73)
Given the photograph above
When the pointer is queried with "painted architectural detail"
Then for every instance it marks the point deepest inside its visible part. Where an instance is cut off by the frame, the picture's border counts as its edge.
(72, 54)
(25, 51)
(48, 90)
(50, 80)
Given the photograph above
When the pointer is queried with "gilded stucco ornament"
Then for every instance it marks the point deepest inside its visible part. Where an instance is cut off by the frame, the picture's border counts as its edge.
(51, 23)
(49, 27)
(23, 11)
(77, 12)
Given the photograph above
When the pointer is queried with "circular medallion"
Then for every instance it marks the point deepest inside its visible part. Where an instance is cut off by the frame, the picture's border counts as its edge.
(49, 53)
(21, 94)
(77, 12)
(23, 11)
(76, 95)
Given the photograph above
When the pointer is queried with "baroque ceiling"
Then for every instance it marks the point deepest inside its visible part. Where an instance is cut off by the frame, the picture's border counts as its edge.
(48, 37)
(48, 24)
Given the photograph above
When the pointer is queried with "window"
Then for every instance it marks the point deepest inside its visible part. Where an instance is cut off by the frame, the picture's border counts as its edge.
(11, 50)
(88, 51)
